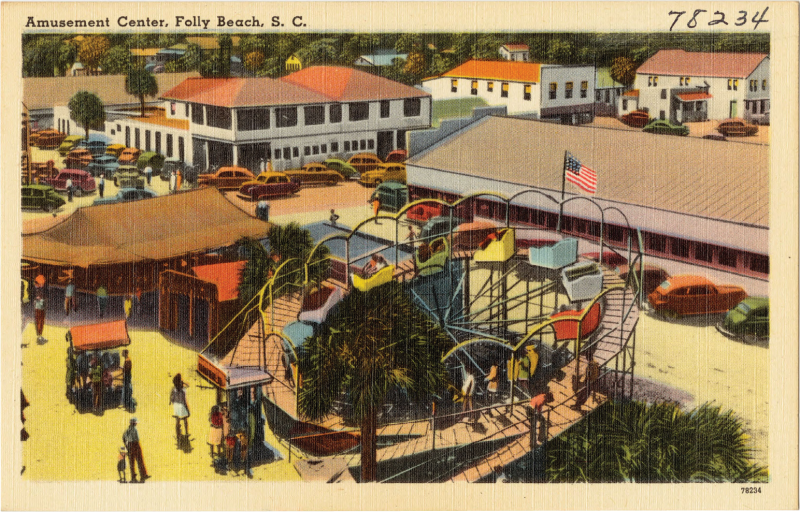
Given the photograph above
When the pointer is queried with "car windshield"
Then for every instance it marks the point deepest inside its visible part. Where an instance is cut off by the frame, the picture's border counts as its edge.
(665, 285)
(743, 308)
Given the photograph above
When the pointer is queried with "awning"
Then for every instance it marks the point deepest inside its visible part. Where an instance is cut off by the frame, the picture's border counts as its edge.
(100, 336)
(693, 96)
(224, 275)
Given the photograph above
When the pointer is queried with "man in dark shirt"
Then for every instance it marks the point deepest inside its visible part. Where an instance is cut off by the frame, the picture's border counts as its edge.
(131, 440)
(127, 388)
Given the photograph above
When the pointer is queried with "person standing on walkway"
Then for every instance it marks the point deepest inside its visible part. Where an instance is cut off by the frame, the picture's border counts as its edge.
(173, 180)
(69, 297)
(148, 174)
(376, 207)
(102, 300)
(127, 385)
(128, 305)
(39, 305)
(131, 440)
(101, 185)
(467, 391)
(178, 180)
(177, 398)
(96, 374)
(411, 237)
(69, 189)
(333, 218)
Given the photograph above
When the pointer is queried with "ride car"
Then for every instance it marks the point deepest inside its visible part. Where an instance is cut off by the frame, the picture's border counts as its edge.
(315, 174)
(383, 173)
(662, 126)
(342, 167)
(363, 162)
(423, 212)
(154, 160)
(736, 127)
(129, 156)
(749, 318)
(49, 139)
(439, 226)
(78, 158)
(637, 118)
(396, 156)
(128, 176)
(82, 181)
(68, 143)
(41, 197)
(115, 150)
(653, 276)
(226, 178)
(127, 194)
(694, 295)
(268, 184)
(104, 164)
(95, 147)
(610, 258)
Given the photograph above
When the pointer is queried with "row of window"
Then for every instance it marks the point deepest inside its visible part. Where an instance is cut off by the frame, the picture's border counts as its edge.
(568, 86)
(526, 91)
(598, 95)
(286, 117)
(754, 85)
(149, 138)
(322, 149)
(700, 251)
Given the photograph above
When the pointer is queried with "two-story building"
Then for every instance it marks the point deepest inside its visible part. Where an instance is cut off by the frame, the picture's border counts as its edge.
(515, 51)
(541, 91)
(695, 86)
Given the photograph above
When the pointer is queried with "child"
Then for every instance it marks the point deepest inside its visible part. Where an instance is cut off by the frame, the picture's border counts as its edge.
(123, 453)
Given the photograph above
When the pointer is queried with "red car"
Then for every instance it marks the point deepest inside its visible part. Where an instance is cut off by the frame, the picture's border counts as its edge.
(736, 128)
(82, 181)
(610, 258)
(275, 185)
(396, 156)
(226, 178)
(694, 295)
(424, 212)
(637, 118)
(78, 158)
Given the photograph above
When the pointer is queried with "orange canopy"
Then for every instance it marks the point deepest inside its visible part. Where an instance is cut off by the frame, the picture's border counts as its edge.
(100, 336)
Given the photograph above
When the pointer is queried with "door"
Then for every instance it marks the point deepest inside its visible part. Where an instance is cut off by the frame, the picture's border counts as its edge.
(734, 108)
(384, 143)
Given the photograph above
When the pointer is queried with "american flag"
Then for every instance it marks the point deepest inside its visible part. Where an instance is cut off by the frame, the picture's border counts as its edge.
(580, 175)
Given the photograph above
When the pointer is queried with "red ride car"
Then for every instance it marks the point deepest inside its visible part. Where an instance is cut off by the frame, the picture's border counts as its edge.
(82, 182)
(694, 295)
(610, 258)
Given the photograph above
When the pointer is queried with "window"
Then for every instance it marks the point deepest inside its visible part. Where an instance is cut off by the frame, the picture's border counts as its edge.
(113, 132)
(679, 247)
(624, 104)
(759, 264)
(454, 85)
(307, 150)
(615, 233)
(169, 145)
(763, 85)
(197, 113)
(753, 86)
(662, 115)
(354, 145)
(277, 154)
(608, 96)
(504, 90)
(596, 95)
(584, 88)
(385, 105)
(218, 117)
(287, 153)
(314, 115)
(527, 93)
(347, 145)
(158, 142)
(727, 257)
(336, 113)
(172, 107)
(181, 155)
(324, 148)
(568, 90)
(474, 89)
(656, 243)
(119, 127)
(285, 117)
(136, 137)
(315, 150)
(363, 144)
(649, 81)
(359, 111)
(412, 107)
(490, 86)
(655, 81)
(252, 119)
(128, 136)
(736, 85)
(187, 109)
(553, 90)
(371, 144)
(295, 152)
(334, 147)
(685, 80)
(663, 94)
(703, 252)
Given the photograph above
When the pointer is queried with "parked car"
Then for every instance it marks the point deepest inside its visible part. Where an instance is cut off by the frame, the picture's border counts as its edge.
(610, 258)
(749, 318)
(268, 184)
(694, 295)
(41, 172)
(662, 126)
(715, 135)
(396, 156)
(104, 164)
(315, 174)
(653, 276)
(68, 143)
(392, 196)
(762, 118)
(736, 127)
(95, 147)
(226, 178)
(383, 173)
(154, 160)
(82, 181)
(127, 194)
(363, 162)
(48, 139)
(129, 156)
(342, 167)
(78, 158)
(173, 164)
(128, 176)
(438, 226)
(115, 150)
(41, 197)
(423, 212)
(637, 118)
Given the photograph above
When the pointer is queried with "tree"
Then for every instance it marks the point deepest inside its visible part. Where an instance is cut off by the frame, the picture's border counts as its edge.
(254, 60)
(225, 44)
(487, 46)
(373, 343)
(318, 52)
(141, 83)
(86, 109)
(559, 51)
(407, 42)
(92, 50)
(117, 61)
(415, 64)
(623, 70)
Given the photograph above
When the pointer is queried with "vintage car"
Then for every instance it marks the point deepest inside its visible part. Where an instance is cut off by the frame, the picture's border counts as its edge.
(662, 126)
(637, 118)
(749, 318)
(226, 178)
(129, 156)
(694, 295)
(392, 196)
(154, 160)
(552, 254)
(95, 147)
(736, 127)
(41, 197)
(762, 118)
(315, 174)
(82, 181)
(383, 173)
(396, 156)
(41, 172)
(423, 212)
(78, 158)
(115, 150)
(653, 276)
(68, 143)
(268, 184)
(104, 164)
(342, 167)
(48, 139)
(363, 162)
(128, 176)
(125, 195)
(610, 258)
(582, 281)
(438, 226)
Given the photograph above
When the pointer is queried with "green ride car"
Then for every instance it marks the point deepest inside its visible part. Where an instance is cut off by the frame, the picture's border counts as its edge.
(41, 197)
(749, 318)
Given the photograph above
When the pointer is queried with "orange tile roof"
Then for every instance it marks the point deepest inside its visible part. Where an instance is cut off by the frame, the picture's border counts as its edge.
(224, 275)
(497, 70)
(693, 96)
(632, 92)
(517, 46)
(158, 117)
(348, 84)
(706, 64)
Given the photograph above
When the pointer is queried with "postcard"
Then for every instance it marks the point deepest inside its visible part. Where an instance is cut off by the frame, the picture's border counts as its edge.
(405, 255)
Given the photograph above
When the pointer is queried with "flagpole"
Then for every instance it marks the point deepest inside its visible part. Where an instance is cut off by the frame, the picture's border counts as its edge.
(563, 185)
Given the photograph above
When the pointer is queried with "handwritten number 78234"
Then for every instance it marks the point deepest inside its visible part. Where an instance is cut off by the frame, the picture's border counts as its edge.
(700, 15)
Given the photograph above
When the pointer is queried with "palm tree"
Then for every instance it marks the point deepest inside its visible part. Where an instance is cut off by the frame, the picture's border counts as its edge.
(373, 343)
(141, 83)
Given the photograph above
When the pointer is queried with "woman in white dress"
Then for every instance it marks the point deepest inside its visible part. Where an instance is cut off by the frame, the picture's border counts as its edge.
(177, 398)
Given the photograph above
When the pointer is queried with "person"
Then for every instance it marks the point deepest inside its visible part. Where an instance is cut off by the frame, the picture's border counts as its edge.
(523, 378)
(101, 185)
(581, 393)
(123, 453)
(148, 174)
(500, 476)
(592, 377)
(241, 437)
(128, 305)
(333, 217)
(493, 380)
(262, 210)
(536, 416)
(411, 237)
(69, 297)
(131, 440)
(178, 180)
(39, 305)
(376, 207)
(69, 189)
(179, 405)
(173, 179)
(138, 301)
(96, 374)
(375, 263)
(127, 385)
(467, 391)
(262, 166)
(215, 433)
(102, 300)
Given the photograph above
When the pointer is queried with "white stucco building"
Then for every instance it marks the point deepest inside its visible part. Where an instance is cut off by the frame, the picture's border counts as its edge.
(515, 51)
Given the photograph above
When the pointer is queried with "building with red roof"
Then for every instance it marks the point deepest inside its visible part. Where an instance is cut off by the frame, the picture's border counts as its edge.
(515, 51)
(695, 86)
(542, 91)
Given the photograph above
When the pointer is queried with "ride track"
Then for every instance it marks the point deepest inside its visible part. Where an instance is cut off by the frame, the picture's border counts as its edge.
(474, 321)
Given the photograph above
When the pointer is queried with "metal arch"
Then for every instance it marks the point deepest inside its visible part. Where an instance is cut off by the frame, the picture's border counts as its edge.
(471, 341)
(534, 191)
(284, 338)
(269, 286)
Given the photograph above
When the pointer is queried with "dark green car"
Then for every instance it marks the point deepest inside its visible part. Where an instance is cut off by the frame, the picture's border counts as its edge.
(41, 197)
(750, 318)
(128, 176)
(665, 127)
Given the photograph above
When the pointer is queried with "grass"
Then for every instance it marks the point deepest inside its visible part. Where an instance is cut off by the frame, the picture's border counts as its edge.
(448, 109)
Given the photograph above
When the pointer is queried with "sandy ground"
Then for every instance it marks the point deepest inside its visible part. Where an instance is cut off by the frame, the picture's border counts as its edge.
(695, 129)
